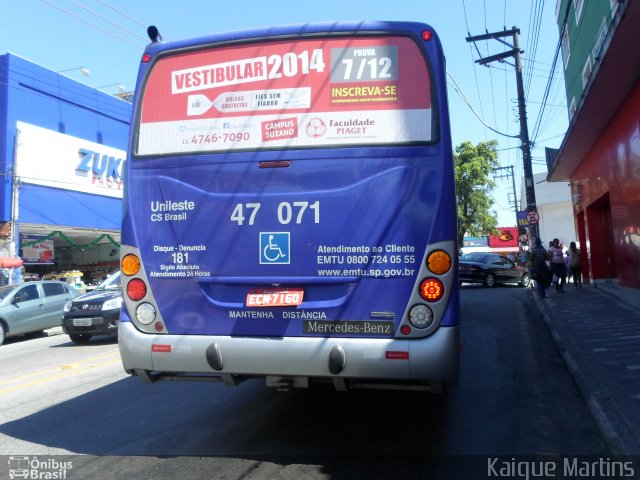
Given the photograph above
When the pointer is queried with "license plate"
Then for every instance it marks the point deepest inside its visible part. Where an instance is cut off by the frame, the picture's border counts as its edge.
(82, 322)
(264, 297)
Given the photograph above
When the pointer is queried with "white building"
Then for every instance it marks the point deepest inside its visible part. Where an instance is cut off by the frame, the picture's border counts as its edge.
(555, 210)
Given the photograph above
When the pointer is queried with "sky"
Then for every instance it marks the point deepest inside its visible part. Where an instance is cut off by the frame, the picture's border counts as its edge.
(107, 38)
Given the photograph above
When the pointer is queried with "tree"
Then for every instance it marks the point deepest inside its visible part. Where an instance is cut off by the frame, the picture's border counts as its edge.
(473, 166)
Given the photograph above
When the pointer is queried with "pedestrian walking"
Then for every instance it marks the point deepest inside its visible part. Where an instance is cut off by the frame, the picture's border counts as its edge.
(556, 262)
(522, 258)
(539, 270)
(573, 260)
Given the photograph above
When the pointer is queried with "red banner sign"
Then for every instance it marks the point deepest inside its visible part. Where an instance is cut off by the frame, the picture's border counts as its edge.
(508, 237)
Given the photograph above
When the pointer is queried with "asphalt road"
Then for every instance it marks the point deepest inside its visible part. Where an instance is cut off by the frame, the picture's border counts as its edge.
(515, 397)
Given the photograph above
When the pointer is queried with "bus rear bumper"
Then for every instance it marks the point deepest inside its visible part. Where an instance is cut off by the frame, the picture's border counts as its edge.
(294, 361)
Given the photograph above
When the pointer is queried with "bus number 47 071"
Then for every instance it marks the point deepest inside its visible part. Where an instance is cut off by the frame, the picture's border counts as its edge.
(287, 212)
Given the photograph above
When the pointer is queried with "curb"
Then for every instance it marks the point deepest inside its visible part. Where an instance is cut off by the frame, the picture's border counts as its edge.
(592, 398)
(52, 332)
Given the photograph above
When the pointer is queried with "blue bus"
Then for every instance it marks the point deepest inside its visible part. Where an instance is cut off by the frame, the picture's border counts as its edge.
(289, 210)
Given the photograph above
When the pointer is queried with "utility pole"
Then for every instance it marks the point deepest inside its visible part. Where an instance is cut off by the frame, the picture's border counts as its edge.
(513, 182)
(514, 51)
(15, 191)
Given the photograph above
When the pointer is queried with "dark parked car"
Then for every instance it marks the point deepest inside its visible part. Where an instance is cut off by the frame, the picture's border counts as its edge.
(491, 269)
(94, 313)
(32, 307)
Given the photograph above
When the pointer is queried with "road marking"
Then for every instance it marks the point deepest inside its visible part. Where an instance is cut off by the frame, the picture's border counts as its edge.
(59, 367)
(76, 369)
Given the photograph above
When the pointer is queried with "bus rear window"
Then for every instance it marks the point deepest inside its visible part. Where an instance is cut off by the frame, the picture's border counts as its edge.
(287, 94)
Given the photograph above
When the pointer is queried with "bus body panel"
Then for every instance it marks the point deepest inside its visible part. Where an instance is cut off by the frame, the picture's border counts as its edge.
(376, 274)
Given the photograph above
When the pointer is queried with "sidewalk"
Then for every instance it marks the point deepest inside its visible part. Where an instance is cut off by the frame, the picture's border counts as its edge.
(599, 338)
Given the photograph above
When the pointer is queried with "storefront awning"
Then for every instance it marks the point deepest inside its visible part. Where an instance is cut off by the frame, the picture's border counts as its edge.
(8, 262)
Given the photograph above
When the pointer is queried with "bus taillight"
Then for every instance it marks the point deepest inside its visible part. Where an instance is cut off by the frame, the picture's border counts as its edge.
(427, 35)
(431, 289)
(130, 264)
(146, 313)
(136, 289)
(421, 316)
(146, 58)
(439, 262)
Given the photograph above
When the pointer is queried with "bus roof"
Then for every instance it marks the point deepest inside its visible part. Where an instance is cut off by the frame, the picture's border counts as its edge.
(311, 28)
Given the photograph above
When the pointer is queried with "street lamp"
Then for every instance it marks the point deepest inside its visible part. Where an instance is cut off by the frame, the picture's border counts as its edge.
(121, 88)
(83, 70)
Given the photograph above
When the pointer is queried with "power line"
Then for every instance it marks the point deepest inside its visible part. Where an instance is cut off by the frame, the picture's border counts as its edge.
(459, 91)
(547, 73)
(554, 64)
(536, 16)
(92, 24)
(475, 75)
(107, 20)
(128, 16)
(493, 100)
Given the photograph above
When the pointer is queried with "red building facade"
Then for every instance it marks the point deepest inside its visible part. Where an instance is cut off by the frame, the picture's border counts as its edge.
(606, 192)
(600, 154)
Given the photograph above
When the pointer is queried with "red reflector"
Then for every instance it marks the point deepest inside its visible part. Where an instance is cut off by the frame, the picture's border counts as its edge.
(136, 289)
(146, 58)
(397, 355)
(405, 329)
(159, 326)
(156, 347)
(427, 35)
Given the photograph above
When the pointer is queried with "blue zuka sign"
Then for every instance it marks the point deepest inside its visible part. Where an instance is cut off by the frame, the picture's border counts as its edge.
(275, 248)
(105, 168)
(72, 162)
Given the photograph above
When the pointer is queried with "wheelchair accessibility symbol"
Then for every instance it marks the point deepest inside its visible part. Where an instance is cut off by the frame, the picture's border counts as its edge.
(274, 248)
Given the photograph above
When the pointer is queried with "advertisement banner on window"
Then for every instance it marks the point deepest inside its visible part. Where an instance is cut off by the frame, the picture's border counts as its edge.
(309, 92)
(40, 252)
